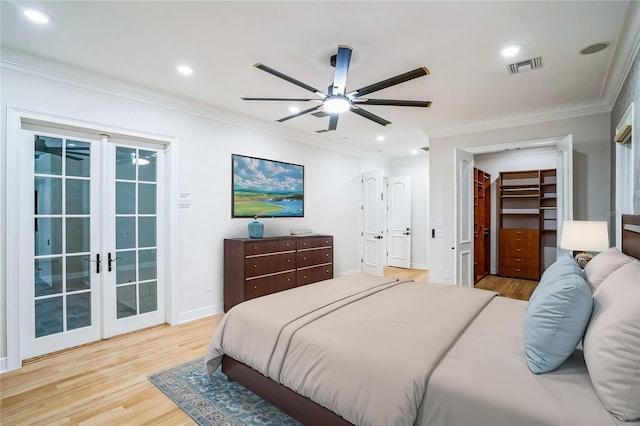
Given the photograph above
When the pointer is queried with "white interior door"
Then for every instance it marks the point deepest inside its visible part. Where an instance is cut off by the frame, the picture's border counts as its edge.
(59, 227)
(372, 223)
(134, 281)
(399, 221)
(89, 257)
(463, 209)
(564, 187)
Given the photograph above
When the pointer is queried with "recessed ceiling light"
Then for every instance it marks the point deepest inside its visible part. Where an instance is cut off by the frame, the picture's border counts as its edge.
(380, 138)
(511, 50)
(185, 70)
(594, 48)
(414, 151)
(37, 16)
(294, 109)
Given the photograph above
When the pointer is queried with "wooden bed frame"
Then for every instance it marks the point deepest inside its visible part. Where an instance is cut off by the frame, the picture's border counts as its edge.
(310, 413)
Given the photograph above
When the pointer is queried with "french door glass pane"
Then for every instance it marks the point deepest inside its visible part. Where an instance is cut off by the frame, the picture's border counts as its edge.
(77, 197)
(125, 166)
(148, 297)
(48, 196)
(148, 266)
(77, 159)
(126, 299)
(146, 198)
(48, 155)
(147, 237)
(125, 198)
(78, 234)
(78, 310)
(48, 316)
(125, 267)
(125, 232)
(147, 165)
(48, 276)
(48, 236)
(78, 273)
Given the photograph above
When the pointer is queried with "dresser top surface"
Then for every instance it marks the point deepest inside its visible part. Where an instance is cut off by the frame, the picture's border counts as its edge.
(280, 238)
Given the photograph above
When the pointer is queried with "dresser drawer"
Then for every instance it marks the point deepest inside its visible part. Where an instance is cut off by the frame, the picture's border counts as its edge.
(256, 287)
(314, 274)
(269, 264)
(519, 262)
(314, 257)
(262, 247)
(313, 242)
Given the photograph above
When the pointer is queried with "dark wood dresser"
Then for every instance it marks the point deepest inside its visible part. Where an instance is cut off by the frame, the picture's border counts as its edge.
(257, 267)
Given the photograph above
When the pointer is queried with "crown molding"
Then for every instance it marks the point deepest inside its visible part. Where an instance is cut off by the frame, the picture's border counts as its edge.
(17, 60)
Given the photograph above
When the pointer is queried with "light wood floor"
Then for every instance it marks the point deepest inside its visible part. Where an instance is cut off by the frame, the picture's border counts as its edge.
(105, 383)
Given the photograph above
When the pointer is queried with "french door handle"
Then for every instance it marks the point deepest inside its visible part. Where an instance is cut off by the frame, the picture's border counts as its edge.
(97, 262)
(110, 261)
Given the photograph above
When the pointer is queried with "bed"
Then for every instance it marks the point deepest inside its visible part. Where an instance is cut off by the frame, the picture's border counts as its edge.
(371, 350)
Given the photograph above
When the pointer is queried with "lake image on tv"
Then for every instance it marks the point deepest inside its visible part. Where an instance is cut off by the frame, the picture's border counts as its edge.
(267, 188)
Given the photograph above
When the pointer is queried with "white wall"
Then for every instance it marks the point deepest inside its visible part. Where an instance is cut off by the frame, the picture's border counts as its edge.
(332, 184)
(503, 161)
(591, 186)
(418, 170)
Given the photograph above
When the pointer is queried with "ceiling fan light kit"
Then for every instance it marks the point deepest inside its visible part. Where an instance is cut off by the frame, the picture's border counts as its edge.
(337, 100)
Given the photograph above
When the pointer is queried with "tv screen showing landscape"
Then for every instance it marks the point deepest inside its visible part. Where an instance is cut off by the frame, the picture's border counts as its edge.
(266, 188)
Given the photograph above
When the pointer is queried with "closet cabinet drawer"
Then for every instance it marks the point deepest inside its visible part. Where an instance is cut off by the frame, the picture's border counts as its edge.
(519, 242)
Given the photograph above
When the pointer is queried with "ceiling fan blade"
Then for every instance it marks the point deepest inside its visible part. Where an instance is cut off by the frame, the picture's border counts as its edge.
(366, 114)
(392, 102)
(289, 117)
(342, 69)
(283, 99)
(418, 72)
(71, 157)
(289, 79)
(333, 121)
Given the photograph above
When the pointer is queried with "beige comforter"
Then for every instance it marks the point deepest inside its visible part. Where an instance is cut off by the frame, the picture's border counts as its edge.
(322, 341)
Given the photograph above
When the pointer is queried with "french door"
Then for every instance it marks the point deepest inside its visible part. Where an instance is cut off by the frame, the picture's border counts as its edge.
(90, 239)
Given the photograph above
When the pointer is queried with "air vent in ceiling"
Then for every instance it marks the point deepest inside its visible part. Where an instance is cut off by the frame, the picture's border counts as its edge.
(528, 65)
(322, 131)
(426, 148)
(320, 114)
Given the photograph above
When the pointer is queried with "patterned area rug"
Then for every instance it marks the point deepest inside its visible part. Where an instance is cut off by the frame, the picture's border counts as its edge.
(216, 401)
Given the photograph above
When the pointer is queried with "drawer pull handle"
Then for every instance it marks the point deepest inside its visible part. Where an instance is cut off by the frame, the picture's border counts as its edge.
(518, 239)
(255, 287)
(288, 260)
(327, 255)
(304, 258)
(255, 247)
(288, 279)
(327, 271)
(304, 276)
(255, 266)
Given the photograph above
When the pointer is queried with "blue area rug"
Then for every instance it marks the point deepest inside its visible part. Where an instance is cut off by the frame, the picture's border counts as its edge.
(216, 400)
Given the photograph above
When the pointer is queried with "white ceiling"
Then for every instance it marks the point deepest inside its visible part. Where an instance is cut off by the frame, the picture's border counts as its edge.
(142, 42)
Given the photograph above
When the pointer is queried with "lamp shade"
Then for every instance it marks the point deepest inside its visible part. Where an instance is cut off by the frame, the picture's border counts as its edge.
(583, 235)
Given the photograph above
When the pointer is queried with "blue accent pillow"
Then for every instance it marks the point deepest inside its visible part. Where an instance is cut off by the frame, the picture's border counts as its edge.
(557, 315)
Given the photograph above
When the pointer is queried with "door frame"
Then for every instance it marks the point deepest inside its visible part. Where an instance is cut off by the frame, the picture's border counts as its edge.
(15, 118)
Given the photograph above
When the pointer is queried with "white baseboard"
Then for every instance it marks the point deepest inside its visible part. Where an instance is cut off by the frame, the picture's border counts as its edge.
(3, 364)
(422, 266)
(195, 314)
(352, 272)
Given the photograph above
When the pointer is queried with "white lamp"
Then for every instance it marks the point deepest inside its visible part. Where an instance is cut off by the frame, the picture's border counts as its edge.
(584, 236)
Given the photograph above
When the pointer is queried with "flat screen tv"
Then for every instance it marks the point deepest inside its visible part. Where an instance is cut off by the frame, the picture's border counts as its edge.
(266, 188)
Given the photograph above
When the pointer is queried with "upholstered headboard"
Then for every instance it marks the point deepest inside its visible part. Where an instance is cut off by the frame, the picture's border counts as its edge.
(631, 235)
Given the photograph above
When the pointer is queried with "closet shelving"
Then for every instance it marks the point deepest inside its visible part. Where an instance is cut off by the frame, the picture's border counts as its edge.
(527, 222)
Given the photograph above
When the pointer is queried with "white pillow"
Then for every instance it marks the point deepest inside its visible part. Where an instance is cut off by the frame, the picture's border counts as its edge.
(604, 264)
(612, 342)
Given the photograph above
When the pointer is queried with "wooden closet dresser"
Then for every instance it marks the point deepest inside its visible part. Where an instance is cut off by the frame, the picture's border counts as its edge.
(257, 267)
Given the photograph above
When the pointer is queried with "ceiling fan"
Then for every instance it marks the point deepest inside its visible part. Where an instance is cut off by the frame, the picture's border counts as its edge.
(337, 100)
